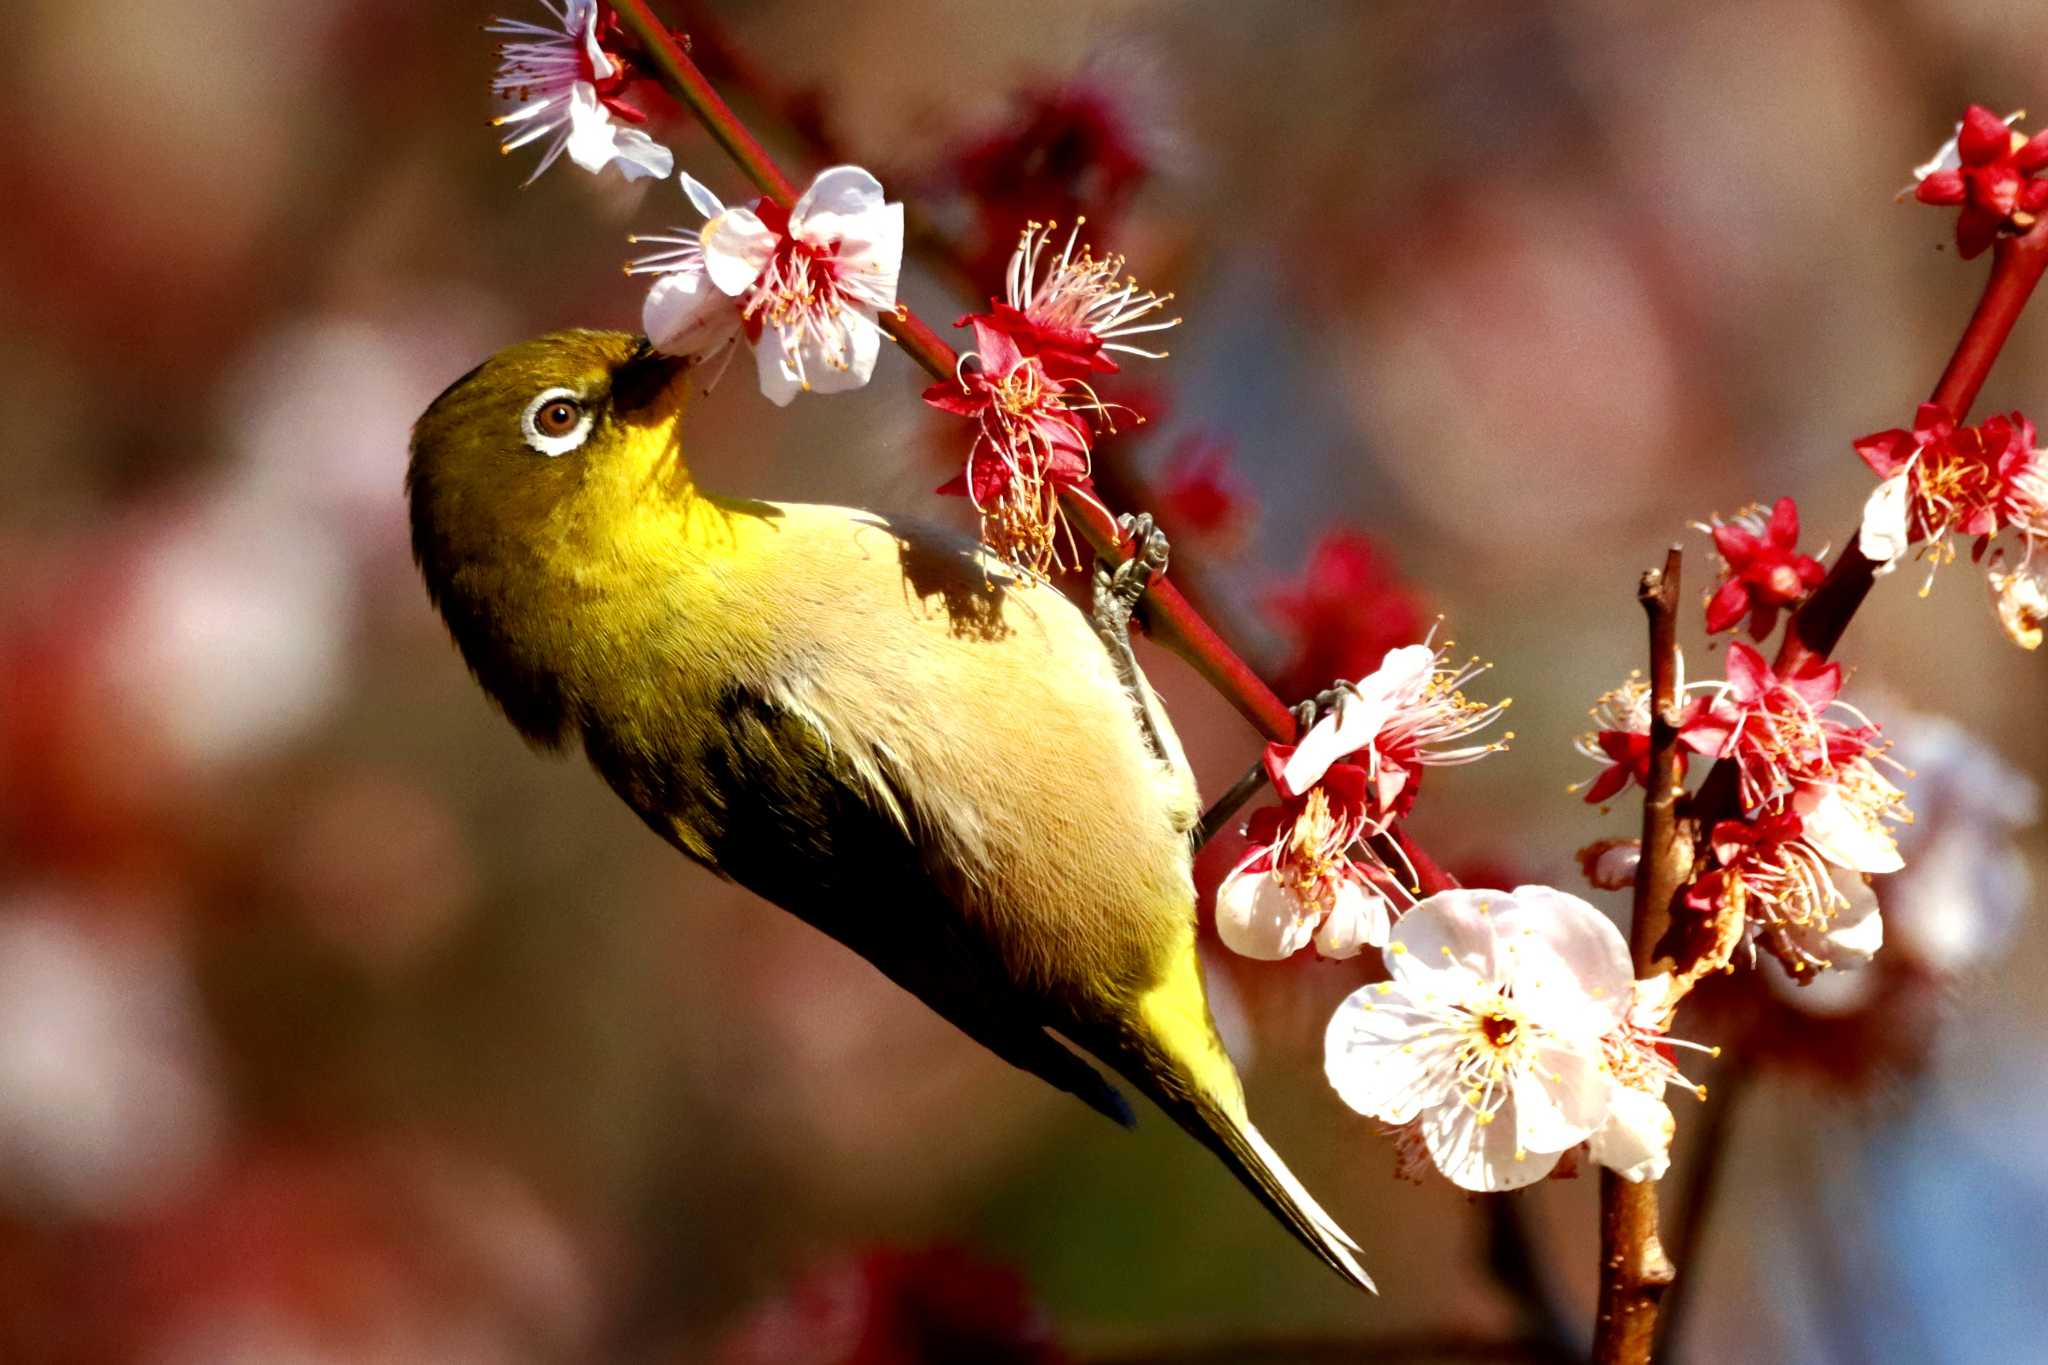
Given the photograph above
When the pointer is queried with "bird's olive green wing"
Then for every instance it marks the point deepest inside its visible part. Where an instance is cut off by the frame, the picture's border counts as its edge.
(771, 806)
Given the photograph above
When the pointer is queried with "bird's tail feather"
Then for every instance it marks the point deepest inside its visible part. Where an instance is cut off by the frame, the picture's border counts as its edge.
(1254, 1162)
(1171, 1051)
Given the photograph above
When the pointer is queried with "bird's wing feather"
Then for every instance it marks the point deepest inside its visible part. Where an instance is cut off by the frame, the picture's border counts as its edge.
(833, 839)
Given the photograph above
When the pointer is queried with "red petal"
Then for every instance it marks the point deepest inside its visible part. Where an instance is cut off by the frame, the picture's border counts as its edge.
(1931, 422)
(1748, 674)
(949, 397)
(2034, 155)
(1736, 544)
(1727, 606)
(2034, 196)
(1942, 188)
(1976, 229)
(1764, 621)
(1984, 137)
(1886, 452)
(1785, 524)
(1611, 780)
(1998, 188)
(1812, 572)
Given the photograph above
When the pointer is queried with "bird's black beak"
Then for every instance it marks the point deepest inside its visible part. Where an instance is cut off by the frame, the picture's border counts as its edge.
(644, 376)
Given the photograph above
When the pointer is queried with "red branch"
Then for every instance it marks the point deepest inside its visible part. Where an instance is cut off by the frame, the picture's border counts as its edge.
(1169, 617)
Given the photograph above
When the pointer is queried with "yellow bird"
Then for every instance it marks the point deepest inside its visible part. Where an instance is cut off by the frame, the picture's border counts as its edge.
(939, 762)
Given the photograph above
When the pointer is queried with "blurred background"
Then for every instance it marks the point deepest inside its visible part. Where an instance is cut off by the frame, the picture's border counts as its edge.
(338, 1027)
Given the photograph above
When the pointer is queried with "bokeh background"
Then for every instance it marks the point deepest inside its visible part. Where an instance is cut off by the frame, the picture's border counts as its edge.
(338, 1027)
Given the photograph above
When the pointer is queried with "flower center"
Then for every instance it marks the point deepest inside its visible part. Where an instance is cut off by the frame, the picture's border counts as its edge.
(1499, 1028)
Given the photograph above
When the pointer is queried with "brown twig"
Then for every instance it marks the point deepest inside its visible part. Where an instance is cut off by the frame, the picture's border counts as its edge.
(1634, 1271)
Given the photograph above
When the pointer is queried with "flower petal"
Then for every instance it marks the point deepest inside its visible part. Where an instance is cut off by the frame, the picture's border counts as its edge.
(1635, 1142)
(1482, 1157)
(683, 315)
(1258, 917)
(701, 198)
(1373, 1061)
(1572, 967)
(737, 248)
(1849, 836)
(838, 193)
(1884, 536)
(1360, 919)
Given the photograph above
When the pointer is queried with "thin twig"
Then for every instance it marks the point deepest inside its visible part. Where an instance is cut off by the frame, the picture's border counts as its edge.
(1417, 1348)
(1634, 1271)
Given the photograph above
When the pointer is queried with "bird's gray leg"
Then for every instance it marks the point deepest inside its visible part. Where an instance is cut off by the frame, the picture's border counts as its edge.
(1117, 590)
(1246, 787)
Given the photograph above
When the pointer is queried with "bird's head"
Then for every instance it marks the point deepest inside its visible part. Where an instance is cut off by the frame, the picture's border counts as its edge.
(541, 462)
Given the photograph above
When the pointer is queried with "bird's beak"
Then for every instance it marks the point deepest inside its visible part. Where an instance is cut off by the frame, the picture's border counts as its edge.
(644, 379)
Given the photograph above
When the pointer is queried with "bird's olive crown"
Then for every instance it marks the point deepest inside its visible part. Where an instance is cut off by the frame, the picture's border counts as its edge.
(494, 459)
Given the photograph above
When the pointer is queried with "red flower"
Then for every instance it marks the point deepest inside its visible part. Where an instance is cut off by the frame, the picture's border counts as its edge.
(1776, 727)
(1200, 496)
(1032, 444)
(1941, 479)
(1349, 610)
(1988, 169)
(1763, 571)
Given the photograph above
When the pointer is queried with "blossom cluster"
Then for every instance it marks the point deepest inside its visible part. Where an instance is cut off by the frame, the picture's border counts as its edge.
(1941, 482)
(1310, 877)
(1988, 170)
(1026, 387)
(1511, 1030)
(573, 84)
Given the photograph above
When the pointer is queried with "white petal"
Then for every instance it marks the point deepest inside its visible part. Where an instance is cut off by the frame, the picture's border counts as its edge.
(639, 156)
(839, 192)
(685, 316)
(1450, 935)
(1375, 1062)
(582, 21)
(1848, 835)
(1360, 919)
(1481, 1156)
(1363, 709)
(700, 196)
(1883, 537)
(1858, 931)
(780, 383)
(1562, 1097)
(849, 365)
(737, 247)
(1635, 1142)
(870, 257)
(591, 143)
(1259, 917)
(1571, 965)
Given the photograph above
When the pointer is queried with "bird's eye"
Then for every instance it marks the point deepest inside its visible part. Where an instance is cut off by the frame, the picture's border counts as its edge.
(556, 422)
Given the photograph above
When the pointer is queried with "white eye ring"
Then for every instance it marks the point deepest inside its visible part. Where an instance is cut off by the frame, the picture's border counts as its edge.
(540, 441)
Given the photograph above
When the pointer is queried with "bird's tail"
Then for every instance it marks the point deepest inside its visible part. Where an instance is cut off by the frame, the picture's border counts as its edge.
(1180, 1062)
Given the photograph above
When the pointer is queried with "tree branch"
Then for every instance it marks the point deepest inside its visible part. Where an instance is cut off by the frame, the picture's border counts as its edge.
(1634, 1271)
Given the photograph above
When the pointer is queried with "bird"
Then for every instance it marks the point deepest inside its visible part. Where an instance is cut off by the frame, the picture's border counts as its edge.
(934, 758)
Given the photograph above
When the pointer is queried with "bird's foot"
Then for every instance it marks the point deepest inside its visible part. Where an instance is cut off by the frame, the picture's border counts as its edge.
(1117, 590)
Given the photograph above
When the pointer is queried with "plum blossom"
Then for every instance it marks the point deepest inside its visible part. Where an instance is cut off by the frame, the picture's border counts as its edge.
(1077, 308)
(1490, 1033)
(1032, 443)
(1763, 572)
(1957, 902)
(1299, 885)
(1635, 1142)
(2021, 600)
(567, 85)
(1941, 480)
(1352, 775)
(1987, 169)
(1408, 714)
(806, 286)
(1620, 737)
(1803, 911)
(1779, 729)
